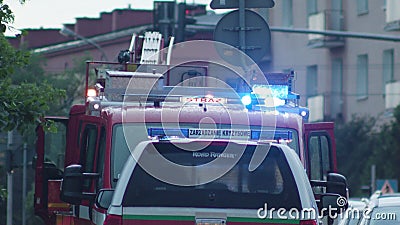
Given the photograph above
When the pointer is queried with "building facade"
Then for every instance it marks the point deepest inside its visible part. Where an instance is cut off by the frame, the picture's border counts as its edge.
(339, 76)
(100, 38)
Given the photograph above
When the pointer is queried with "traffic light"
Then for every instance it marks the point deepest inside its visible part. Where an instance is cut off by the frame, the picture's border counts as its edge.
(186, 15)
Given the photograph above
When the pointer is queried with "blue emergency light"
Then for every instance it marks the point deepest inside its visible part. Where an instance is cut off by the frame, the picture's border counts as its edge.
(276, 135)
(271, 91)
(268, 96)
(246, 100)
(161, 132)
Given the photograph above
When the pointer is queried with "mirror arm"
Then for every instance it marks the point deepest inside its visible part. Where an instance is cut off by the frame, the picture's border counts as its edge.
(89, 195)
(91, 175)
(320, 183)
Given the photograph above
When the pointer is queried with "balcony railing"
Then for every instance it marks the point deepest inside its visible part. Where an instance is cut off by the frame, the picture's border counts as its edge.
(392, 95)
(316, 105)
(326, 20)
(392, 15)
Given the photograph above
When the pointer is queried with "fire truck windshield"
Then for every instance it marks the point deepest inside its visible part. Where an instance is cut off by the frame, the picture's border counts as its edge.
(121, 151)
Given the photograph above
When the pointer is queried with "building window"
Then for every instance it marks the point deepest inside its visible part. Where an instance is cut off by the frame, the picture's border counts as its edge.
(312, 81)
(312, 7)
(362, 77)
(320, 155)
(337, 88)
(362, 7)
(287, 13)
(387, 67)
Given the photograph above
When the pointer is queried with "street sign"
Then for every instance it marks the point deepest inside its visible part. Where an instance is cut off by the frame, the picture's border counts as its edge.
(387, 186)
(256, 32)
(234, 4)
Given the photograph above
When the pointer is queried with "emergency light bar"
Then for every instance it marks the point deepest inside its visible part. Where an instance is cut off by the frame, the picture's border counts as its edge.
(302, 111)
(277, 135)
(254, 135)
(269, 91)
(275, 91)
(277, 95)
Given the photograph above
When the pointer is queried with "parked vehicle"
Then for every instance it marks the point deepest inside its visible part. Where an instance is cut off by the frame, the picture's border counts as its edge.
(354, 212)
(382, 210)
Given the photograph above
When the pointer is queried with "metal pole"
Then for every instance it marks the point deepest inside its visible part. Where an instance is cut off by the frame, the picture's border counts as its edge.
(242, 39)
(68, 32)
(373, 178)
(9, 184)
(103, 53)
(9, 198)
(337, 33)
(167, 22)
(24, 185)
(242, 26)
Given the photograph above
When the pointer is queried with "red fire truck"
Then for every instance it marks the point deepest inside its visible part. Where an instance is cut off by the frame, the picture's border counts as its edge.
(128, 104)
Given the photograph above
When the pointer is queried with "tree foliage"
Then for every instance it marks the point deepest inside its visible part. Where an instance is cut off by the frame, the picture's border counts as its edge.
(23, 103)
(386, 155)
(6, 16)
(361, 143)
(353, 144)
(26, 94)
(70, 80)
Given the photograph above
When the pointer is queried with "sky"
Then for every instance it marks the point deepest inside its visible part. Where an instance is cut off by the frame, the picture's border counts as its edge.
(55, 13)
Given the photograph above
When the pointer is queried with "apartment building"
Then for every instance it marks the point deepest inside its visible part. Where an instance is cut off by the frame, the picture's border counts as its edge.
(339, 76)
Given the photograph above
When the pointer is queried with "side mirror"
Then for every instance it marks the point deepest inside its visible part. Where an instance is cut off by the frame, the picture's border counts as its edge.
(337, 184)
(332, 204)
(103, 198)
(51, 171)
(72, 185)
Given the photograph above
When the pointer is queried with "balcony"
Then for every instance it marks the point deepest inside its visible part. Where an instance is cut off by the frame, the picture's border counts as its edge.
(326, 20)
(392, 15)
(316, 105)
(392, 96)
